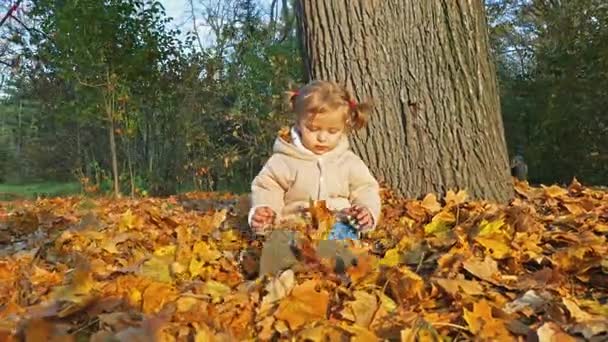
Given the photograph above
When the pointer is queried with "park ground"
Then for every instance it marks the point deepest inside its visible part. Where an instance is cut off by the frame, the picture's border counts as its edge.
(92, 268)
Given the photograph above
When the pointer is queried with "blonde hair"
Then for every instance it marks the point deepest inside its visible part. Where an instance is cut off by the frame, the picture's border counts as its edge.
(319, 97)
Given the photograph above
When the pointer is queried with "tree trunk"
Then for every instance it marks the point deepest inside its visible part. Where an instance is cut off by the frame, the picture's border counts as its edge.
(110, 104)
(437, 124)
(114, 158)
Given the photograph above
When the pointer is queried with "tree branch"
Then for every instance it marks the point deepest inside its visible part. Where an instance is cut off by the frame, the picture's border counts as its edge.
(198, 37)
(10, 12)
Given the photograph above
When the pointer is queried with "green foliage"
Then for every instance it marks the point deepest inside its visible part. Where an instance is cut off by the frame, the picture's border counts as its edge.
(184, 115)
(33, 190)
(553, 62)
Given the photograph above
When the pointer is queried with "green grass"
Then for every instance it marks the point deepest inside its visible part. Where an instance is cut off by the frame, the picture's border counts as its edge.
(32, 190)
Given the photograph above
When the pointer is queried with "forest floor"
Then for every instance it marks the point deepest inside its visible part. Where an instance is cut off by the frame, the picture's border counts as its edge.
(78, 268)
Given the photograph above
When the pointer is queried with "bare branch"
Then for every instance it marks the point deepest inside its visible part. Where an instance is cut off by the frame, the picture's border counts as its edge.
(194, 26)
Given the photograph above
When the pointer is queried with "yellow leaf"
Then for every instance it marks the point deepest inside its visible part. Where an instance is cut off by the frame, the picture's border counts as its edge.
(494, 236)
(483, 324)
(216, 290)
(205, 252)
(441, 223)
(601, 228)
(594, 307)
(203, 334)
(168, 251)
(497, 248)
(359, 333)
(392, 258)
(362, 309)
(157, 268)
(135, 298)
(128, 221)
(305, 304)
(456, 198)
(457, 287)
(320, 333)
(79, 289)
(555, 191)
(430, 203)
(277, 289)
(184, 304)
(406, 221)
(156, 295)
(387, 303)
(491, 228)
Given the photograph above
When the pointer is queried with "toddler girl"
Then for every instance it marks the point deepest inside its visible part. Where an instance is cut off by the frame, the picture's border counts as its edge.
(314, 161)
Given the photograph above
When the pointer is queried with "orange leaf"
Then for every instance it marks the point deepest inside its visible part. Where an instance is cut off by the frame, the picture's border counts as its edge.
(482, 323)
(305, 304)
(156, 295)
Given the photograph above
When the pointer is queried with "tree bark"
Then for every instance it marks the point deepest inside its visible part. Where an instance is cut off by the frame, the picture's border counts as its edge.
(436, 123)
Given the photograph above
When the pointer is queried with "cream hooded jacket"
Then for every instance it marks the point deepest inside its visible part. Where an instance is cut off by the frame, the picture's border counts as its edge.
(293, 175)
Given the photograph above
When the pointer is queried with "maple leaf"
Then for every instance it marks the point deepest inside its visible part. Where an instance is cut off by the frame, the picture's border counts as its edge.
(306, 303)
(157, 268)
(277, 288)
(362, 309)
(483, 324)
(156, 295)
(441, 223)
(452, 198)
(430, 203)
(495, 237)
(456, 287)
(216, 290)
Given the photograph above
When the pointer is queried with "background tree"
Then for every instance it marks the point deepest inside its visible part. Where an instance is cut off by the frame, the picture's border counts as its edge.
(437, 123)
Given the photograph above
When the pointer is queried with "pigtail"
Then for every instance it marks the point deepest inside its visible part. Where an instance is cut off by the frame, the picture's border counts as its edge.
(290, 99)
(358, 113)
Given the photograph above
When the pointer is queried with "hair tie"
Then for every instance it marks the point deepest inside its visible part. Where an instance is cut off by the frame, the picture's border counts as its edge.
(352, 104)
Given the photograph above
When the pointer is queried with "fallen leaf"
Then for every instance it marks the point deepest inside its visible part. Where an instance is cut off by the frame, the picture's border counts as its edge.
(457, 286)
(441, 223)
(216, 290)
(456, 198)
(277, 288)
(156, 295)
(362, 309)
(483, 324)
(430, 203)
(551, 332)
(305, 304)
(486, 270)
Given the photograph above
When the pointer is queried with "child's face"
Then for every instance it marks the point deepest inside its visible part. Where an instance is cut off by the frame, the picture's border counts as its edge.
(321, 133)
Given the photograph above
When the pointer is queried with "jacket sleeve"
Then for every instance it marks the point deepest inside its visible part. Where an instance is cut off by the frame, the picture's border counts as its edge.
(364, 189)
(269, 186)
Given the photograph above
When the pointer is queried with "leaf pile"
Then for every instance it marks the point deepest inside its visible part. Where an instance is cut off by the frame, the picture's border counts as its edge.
(152, 269)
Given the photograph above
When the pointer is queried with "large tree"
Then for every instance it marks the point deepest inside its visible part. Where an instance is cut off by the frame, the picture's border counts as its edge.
(436, 124)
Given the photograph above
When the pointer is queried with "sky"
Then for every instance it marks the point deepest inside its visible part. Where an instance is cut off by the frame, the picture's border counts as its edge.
(176, 9)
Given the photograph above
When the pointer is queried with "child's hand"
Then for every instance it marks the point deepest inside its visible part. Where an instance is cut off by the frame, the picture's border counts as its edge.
(362, 215)
(262, 217)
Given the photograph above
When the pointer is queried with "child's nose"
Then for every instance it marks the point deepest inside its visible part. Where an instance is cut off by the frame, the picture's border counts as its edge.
(321, 137)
